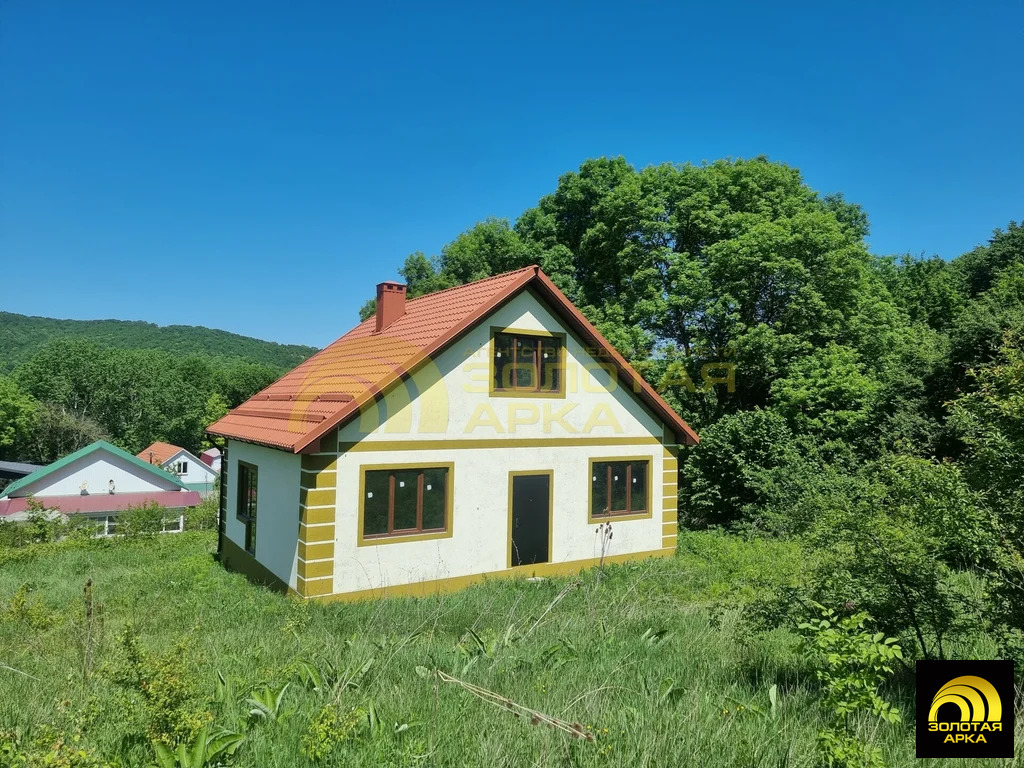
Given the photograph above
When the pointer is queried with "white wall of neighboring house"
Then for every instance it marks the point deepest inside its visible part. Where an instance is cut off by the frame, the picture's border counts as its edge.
(454, 405)
(195, 471)
(277, 516)
(96, 470)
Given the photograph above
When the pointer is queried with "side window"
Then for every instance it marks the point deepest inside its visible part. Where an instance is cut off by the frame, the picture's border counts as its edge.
(246, 511)
(619, 487)
(403, 501)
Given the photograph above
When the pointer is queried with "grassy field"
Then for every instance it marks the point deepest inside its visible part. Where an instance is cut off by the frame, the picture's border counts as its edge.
(649, 658)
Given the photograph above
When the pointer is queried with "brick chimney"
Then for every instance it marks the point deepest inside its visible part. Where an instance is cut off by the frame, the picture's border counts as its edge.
(390, 304)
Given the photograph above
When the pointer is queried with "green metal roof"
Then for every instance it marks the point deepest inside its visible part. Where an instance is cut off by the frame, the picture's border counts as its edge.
(99, 445)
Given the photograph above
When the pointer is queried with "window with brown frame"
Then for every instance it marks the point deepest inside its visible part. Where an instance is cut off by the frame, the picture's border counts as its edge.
(248, 485)
(399, 502)
(525, 363)
(619, 488)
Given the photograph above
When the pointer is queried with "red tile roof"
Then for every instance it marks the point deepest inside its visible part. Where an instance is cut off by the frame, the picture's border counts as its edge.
(158, 453)
(327, 390)
(102, 502)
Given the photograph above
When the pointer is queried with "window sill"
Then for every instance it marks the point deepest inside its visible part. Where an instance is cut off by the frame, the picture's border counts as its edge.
(598, 519)
(372, 541)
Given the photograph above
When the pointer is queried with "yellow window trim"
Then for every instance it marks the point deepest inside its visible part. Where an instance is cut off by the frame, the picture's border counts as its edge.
(373, 541)
(597, 519)
(495, 330)
(551, 512)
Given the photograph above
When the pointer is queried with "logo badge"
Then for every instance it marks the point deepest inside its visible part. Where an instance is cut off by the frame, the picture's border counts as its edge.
(965, 709)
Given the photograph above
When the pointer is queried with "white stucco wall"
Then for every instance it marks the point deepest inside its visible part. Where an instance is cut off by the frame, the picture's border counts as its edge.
(454, 406)
(197, 471)
(97, 469)
(277, 523)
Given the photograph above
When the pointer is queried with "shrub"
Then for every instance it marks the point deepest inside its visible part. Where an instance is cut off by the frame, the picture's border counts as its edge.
(203, 516)
(143, 520)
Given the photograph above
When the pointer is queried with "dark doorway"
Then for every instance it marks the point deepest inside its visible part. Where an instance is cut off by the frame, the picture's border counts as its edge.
(530, 499)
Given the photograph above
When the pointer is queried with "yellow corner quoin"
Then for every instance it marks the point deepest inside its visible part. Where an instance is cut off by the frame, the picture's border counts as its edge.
(669, 542)
(313, 587)
(440, 586)
(373, 541)
(551, 510)
(314, 515)
(316, 569)
(319, 462)
(318, 498)
(669, 516)
(316, 480)
(315, 533)
(597, 519)
(320, 551)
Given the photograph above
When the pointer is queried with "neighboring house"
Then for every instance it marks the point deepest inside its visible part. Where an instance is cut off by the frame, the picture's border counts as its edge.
(211, 458)
(196, 474)
(484, 430)
(99, 481)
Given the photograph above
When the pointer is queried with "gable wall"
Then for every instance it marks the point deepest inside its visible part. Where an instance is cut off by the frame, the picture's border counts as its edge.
(97, 469)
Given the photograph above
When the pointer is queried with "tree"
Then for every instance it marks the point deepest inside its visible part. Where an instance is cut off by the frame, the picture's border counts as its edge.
(17, 419)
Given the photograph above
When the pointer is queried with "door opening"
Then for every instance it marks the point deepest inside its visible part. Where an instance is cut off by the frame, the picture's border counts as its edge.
(530, 517)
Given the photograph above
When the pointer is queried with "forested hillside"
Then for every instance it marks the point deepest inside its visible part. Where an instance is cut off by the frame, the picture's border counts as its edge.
(66, 383)
(21, 336)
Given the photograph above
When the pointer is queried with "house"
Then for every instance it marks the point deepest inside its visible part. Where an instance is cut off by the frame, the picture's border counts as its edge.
(99, 481)
(480, 431)
(195, 473)
(211, 458)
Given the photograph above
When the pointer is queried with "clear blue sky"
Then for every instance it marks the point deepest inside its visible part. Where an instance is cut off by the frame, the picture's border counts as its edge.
(259, 166)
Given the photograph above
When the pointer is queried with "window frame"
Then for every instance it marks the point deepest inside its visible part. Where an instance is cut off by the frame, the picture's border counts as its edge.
(243, 469)
(375, 539)
(495, 391)
(629, 514)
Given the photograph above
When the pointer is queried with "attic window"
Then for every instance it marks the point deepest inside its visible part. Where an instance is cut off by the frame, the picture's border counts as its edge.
(527, 363)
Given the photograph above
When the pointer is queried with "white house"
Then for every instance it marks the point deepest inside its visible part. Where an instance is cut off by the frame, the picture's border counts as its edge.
(484, 430)
(196, 474)
(99, 481)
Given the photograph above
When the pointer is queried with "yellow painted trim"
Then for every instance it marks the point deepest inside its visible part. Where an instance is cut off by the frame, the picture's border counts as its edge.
(669, 542)
(551, 511)
(314, 587)
(668, 465)
(315, 569)
(500, 443)
(438, 586)
(319, 498)
(591, 519)
(315, 533)
(670, 475)
(319, 462)
(670, 529)
(316, 551)
(317, 515)
(670, 516)
(373, 541)
(314, 480)
(518, 392)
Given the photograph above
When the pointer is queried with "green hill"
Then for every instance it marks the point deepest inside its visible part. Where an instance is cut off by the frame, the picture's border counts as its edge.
(21, 336)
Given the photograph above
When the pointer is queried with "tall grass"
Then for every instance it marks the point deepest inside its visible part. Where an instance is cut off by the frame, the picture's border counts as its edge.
(646, 661)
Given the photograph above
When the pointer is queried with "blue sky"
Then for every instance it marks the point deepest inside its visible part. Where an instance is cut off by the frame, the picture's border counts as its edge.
(259, 166)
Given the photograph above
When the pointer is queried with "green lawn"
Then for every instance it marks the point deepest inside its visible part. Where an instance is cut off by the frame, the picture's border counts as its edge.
(647, 657)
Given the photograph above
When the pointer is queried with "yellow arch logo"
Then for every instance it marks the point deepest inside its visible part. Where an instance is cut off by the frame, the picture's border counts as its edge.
(976, 697)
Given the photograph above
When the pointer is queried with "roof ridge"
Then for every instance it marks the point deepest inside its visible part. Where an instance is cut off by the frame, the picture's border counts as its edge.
(474, 282)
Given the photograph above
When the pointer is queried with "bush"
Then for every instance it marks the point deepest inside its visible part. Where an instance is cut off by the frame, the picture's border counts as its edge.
(143, 520)
(203, 516)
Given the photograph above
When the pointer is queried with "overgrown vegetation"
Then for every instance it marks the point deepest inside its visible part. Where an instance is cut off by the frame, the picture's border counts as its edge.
(630, 665)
